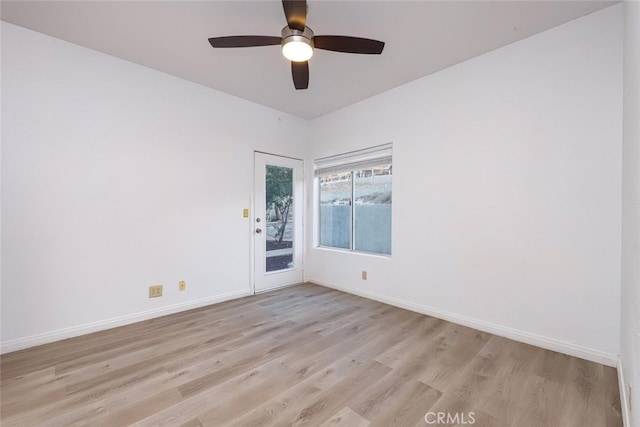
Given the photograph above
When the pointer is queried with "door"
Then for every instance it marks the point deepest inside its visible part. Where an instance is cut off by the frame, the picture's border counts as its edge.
(277, 222)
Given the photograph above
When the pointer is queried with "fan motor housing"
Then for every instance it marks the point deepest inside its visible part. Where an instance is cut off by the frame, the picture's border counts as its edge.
(291, 35)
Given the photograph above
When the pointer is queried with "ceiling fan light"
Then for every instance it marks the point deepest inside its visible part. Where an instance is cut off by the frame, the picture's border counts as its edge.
(297, 46)
(297, 50)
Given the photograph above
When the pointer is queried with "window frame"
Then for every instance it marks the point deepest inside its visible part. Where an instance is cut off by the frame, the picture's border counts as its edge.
(351, 162)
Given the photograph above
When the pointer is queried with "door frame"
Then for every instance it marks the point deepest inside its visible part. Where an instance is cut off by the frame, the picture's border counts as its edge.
(299, 206)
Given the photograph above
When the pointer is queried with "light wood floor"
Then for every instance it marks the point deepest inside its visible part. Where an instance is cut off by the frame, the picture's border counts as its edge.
(302, 355)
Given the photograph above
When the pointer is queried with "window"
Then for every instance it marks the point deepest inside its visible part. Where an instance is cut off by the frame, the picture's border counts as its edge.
(354, 200)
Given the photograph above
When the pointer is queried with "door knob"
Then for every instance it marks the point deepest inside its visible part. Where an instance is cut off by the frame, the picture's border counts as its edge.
(258, 230)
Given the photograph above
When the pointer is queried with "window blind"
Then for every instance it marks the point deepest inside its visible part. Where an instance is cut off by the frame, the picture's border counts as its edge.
(368, 158)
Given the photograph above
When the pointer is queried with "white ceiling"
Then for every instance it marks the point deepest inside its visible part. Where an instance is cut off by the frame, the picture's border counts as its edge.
(421, 37)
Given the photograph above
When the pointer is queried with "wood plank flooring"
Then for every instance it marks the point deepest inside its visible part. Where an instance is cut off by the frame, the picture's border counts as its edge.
(304, 355)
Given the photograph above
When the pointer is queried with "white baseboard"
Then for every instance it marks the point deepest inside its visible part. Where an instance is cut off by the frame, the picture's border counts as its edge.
(624, 398)
(61, 334)
(503, 331)
(533, 339)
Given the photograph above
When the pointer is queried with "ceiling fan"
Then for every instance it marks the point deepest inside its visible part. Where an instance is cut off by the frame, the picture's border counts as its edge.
(298, 41)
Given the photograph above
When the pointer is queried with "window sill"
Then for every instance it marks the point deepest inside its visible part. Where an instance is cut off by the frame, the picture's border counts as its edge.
(350, 252)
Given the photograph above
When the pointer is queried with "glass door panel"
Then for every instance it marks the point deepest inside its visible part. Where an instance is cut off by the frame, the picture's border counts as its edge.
(279, 217)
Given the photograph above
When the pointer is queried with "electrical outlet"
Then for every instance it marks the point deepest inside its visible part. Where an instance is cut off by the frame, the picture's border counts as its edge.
(155, 291)
(182, 285)
(364, 275)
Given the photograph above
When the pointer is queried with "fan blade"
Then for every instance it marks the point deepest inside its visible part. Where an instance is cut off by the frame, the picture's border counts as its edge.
(296, 13)
(349, 44)
(300, 73)
(244, 41)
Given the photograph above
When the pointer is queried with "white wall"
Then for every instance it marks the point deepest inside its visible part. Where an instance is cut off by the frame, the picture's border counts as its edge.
(506, 189)
(507, 180)
(629, 370)
(116, 177)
